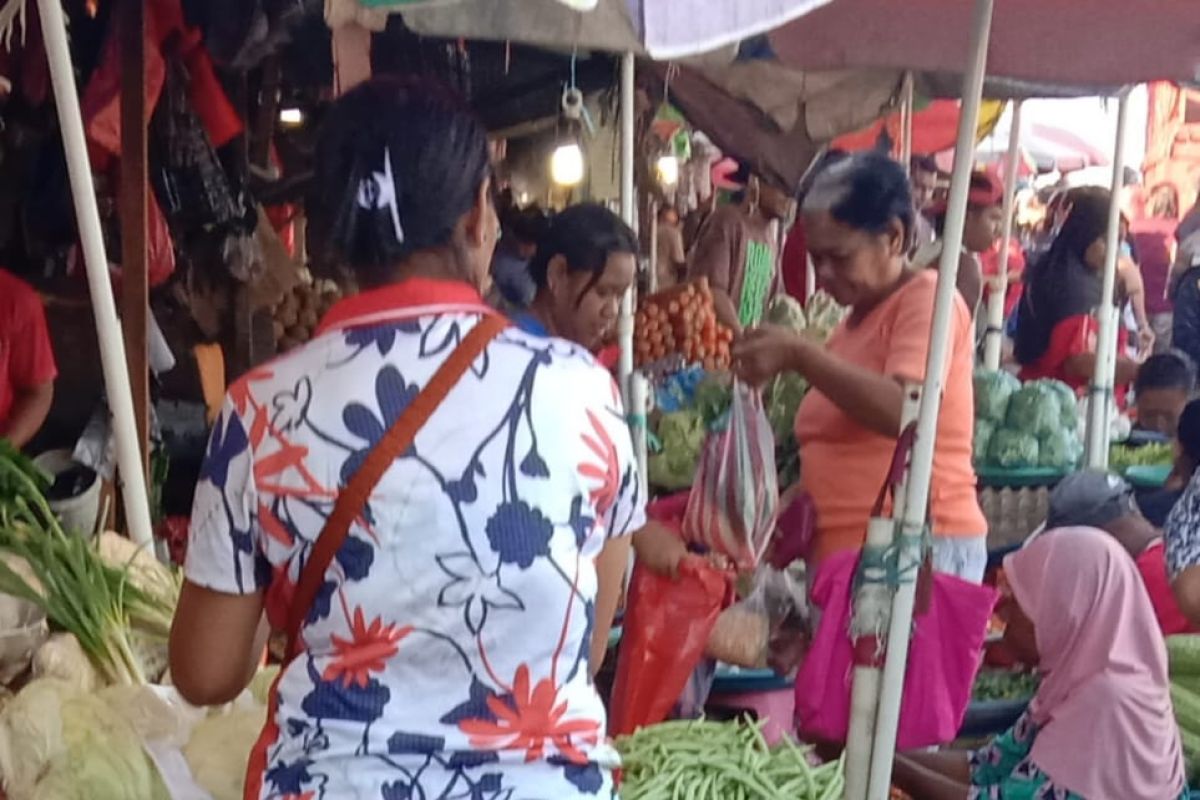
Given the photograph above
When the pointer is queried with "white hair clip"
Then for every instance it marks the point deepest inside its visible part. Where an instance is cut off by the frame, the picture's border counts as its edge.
(378, 190)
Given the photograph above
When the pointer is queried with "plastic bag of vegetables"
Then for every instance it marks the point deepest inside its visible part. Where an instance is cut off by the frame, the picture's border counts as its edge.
(993, 390)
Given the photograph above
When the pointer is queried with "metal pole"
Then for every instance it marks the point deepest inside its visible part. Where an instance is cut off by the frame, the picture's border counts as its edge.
(916, 503)
(108, 328)
(994, 338)
(1106, 348)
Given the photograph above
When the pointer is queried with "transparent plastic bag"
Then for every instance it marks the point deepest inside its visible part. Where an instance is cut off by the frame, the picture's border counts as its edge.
(761, 630)
(734, 501)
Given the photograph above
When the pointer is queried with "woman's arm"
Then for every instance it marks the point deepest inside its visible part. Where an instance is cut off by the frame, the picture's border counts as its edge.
(1083, 365)
(1186, 588)
(872, 400)
(217, 643)
(933, 776)
(611, 567)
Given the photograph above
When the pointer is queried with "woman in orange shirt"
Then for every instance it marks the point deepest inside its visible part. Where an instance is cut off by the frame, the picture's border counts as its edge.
(859, 219)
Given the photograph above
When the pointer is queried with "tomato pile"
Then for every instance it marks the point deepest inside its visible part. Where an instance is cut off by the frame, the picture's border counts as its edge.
(682, 321)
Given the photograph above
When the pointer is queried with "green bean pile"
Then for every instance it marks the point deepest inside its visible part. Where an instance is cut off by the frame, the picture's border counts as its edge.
(700, 760)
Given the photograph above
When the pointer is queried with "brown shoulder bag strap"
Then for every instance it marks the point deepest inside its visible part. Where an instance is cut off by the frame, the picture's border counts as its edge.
(353, 498)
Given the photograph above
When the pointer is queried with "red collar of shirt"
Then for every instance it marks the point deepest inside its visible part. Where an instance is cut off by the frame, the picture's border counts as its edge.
(415, 297)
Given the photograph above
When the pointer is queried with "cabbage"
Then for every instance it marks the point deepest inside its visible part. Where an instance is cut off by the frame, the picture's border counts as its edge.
(1060, 449)
(1035, 409)
(983, 438)
(61, 657)
(1012, 449)
(681, 434)
(993, 388)
(219, 750)
(783, 401)
(824, 314)
(58, 743)
(786, 312)
(1068, 401)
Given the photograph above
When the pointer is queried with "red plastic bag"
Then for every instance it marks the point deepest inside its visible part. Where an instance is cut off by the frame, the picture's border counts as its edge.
(943, 657)
(734, 501)
(667, 624)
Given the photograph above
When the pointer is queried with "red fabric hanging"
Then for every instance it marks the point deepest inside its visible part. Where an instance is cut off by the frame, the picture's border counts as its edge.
(166, 32)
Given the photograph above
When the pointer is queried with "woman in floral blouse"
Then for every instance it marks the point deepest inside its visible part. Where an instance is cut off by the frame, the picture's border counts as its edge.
(447, 652)
(1101, 724)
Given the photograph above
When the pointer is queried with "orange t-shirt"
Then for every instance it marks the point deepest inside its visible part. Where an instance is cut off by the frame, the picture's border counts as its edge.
(845, 464)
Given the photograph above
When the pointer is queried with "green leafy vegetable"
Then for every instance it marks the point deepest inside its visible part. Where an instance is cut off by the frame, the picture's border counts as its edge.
(984, 430)
(1121, 457)
(993, 389)
(682, 435)
(1035, 409)
(1012, 449)
(786, 312)
(1060, 449)
(1005, 685)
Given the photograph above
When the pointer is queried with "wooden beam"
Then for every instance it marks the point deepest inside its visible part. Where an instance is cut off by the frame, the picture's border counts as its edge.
(135, 298)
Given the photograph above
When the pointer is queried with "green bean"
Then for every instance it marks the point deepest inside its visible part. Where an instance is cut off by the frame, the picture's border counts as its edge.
(704, 760)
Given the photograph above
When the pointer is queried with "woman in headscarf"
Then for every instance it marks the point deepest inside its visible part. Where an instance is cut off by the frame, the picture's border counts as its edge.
(1100, 726)
(1056, 326)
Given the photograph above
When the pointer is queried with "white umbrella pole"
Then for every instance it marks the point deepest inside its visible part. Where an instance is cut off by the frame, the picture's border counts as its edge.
(916, 502)
(872, 607)
(629, 214)
(108, 328)
(1101, 392)
(994, 338)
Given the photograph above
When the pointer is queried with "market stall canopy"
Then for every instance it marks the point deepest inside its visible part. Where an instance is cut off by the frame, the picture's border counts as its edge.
(934, 128)
(1049, 148)
(660, 29)
(1081, 42)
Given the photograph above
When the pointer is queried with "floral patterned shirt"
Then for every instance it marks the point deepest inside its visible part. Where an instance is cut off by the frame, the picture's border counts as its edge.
(446, 655)
(1004, 770)
(1182, 530)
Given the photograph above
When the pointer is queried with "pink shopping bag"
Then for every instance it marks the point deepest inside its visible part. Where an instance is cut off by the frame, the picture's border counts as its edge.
(943, 657)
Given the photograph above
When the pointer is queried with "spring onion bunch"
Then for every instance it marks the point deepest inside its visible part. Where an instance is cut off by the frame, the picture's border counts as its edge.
(77, 589)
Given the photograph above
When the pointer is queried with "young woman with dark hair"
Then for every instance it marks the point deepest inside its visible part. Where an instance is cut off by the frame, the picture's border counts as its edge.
(858, 217)
(1056, 328)
(448, 648)
(585, 262)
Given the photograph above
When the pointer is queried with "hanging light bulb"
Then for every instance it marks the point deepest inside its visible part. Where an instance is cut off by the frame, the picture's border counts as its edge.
(667, 168)
(566, 164)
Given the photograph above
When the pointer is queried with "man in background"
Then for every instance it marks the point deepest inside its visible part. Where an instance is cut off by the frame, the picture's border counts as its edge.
(513, 287)
(923, 175)
(1094, 499)
(1165, 384)
(737, 252)
(27, 368)
(672, 261)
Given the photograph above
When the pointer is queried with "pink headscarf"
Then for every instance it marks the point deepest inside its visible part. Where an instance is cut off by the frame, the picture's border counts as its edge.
(1107, 729)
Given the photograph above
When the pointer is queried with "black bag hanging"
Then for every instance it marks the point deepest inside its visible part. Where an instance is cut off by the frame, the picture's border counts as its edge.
(189, 180)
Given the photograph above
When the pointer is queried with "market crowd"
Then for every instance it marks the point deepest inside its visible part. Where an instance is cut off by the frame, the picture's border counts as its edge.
(436, 499)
